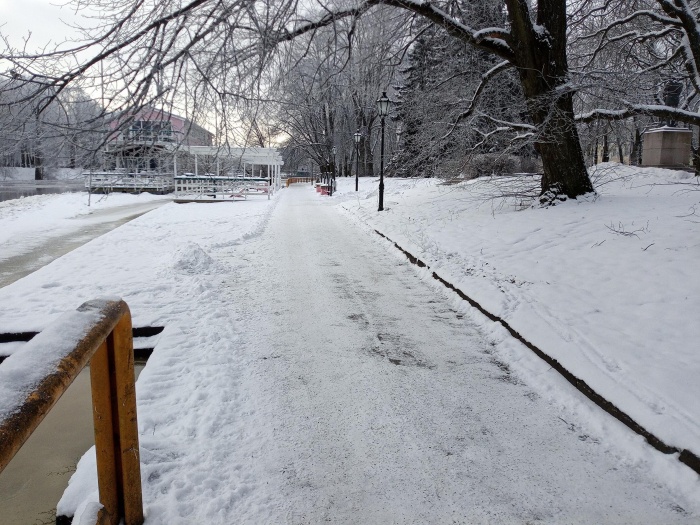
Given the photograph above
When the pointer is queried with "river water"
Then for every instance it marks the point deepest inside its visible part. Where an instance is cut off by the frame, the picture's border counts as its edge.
(16, 189)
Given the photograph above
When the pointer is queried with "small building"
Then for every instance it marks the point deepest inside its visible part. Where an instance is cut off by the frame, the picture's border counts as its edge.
(667, 147)
(158, 148)
(142, 156)
(150, 141)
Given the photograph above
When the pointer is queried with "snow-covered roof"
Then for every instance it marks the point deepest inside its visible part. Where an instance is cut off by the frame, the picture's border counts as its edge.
(266, 156)
(667, 129)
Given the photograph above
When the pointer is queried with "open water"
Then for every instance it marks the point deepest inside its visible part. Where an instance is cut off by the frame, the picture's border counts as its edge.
(17, 189)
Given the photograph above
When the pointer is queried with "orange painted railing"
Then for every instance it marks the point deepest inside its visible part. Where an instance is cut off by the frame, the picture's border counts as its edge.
(294, 180)
(99, 333)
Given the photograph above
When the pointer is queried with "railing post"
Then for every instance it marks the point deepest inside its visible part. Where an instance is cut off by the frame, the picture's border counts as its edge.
(105, 449)
(116, 427)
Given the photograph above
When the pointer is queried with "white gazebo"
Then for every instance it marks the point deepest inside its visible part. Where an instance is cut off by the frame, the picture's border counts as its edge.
(233, 168)
(245, 158)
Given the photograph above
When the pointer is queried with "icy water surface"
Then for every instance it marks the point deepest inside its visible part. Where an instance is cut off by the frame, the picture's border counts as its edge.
(16, 189)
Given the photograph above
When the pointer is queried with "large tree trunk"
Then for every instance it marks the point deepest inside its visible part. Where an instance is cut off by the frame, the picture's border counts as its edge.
(606, 147)
(559, 146)
(538, 51)
(540, 56)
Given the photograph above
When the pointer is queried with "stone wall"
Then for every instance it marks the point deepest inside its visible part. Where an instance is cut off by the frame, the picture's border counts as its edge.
(667, 147)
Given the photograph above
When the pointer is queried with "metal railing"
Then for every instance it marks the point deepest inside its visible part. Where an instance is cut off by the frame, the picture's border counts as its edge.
(200, 185)
(128, 182)
(99, 333)
(145, 135)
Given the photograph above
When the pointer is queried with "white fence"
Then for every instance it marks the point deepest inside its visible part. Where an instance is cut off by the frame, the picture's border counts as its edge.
(202, 187)
(107, 182)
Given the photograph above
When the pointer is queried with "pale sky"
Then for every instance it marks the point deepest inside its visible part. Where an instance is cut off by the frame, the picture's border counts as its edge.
(42, 17)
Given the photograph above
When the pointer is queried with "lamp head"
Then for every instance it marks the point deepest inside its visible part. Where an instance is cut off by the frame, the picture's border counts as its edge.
(383, 105)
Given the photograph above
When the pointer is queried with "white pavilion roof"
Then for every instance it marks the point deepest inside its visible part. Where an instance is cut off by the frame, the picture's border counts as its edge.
(264, 156)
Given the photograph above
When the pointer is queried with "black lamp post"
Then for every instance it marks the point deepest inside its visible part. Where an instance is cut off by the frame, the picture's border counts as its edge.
(333, 172)
(358, 138)
(383, 110)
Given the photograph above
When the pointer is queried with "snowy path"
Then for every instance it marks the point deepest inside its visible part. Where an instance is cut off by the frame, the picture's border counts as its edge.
(362, 397)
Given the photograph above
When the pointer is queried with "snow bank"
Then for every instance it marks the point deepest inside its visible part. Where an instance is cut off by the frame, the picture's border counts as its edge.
(29, 221)
(161, 265)
(192, 259)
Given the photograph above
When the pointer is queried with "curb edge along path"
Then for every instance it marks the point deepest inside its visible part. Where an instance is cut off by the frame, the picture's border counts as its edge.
(365, 398)
(685, 456)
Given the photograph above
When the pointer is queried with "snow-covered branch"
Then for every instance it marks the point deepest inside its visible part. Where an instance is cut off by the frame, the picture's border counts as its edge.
(485, 78)
(658, 111)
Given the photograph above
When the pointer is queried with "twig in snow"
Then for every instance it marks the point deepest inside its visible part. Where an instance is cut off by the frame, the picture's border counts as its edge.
(620, 230)
(645, 249)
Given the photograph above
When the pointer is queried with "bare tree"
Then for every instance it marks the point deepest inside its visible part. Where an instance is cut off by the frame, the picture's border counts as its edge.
(63, 134)
(644, 44)
(460, 108)
(326, 97)
(228, 44)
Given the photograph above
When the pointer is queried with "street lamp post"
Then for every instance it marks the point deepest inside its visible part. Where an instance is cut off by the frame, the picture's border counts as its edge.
(383, 110)
(358, 137)
(333, 172)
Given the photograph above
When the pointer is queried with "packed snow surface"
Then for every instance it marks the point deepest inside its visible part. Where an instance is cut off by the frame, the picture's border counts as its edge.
(308, 372)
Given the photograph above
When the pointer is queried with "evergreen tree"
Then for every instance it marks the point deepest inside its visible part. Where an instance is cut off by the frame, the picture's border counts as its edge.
(441, 121)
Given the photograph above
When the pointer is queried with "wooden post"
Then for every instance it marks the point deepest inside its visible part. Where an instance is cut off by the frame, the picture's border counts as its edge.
(116, 427)
(100, 378)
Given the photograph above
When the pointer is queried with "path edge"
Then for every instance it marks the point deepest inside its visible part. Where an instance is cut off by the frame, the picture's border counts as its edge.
(685, 456)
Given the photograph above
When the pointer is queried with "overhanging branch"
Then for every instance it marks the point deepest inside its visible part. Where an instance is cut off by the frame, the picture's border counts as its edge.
(632, 110)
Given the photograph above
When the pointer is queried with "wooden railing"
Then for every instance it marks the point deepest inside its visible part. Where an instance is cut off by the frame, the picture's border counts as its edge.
(34, 378)
(296, 180)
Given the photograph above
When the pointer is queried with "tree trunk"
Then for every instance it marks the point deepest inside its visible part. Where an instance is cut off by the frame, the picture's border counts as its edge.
(38, 167)
(606, 148)
(559, 146)
(366, 158)
(635, 154)
(695, 150)
(620, 153)
(595, 150)
(540, 56)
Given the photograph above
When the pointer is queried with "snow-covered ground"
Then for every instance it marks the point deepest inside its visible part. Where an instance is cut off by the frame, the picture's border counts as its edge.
(609, 287)
(36, 230)
(31, 221)
(306, 373)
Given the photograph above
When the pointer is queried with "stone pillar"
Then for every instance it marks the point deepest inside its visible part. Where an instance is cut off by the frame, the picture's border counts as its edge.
(667, 147)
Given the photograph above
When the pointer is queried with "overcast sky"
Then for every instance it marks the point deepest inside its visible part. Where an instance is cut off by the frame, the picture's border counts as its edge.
(42, 17)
